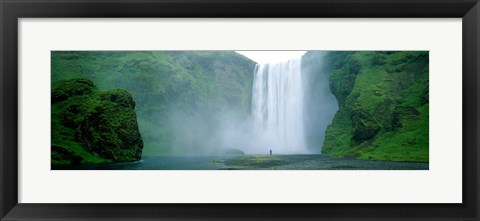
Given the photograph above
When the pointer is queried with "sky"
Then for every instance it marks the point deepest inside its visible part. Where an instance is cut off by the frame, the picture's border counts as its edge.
(262, 57)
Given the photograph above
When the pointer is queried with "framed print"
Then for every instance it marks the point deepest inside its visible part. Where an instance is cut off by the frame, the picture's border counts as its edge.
(225, 110)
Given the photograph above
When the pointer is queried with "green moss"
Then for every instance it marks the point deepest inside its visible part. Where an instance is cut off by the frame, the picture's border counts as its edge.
(93, 126)
(197, 84)
(64, 89)
(63, 139)
(407, 143)
(338, 136)
(383, 115)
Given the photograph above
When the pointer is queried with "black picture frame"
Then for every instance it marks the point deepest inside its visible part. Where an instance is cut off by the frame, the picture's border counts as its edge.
(11, 10)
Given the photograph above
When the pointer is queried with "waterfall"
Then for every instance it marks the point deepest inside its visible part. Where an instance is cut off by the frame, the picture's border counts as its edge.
(277, 108)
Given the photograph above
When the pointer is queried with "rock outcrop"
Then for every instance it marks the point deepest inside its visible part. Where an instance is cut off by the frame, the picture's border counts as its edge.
(93, 126)
(383, 105)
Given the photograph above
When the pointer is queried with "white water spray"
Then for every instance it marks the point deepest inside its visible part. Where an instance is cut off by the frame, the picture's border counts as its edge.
(277, 108)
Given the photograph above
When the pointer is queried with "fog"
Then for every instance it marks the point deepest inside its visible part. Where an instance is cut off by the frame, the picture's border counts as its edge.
(320, 104)
(204, 135)
(291, 108)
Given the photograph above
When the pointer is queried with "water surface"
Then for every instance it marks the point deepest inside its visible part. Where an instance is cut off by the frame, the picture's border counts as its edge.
(255, 162)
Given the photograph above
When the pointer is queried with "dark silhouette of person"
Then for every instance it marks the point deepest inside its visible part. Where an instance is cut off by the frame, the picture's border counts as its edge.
(270, 151)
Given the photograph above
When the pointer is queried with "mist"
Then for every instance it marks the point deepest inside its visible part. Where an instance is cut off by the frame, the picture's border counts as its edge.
(221, 134)
(290, 108)
(203, 110)
(320, 104)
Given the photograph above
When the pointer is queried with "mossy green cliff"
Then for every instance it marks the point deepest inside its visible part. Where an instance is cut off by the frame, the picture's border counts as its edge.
(92, 126)
(383, 105)
(182, 96)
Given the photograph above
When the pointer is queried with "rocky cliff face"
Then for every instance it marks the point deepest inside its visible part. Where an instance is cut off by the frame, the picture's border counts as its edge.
(92, 126)
(183, 98)
(383, 105)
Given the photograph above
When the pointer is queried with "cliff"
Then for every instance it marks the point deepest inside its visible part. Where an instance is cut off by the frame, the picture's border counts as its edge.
(183, 97)
(383, 105)
(92, 126)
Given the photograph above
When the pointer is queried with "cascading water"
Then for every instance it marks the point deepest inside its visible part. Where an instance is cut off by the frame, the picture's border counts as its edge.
(277, 108)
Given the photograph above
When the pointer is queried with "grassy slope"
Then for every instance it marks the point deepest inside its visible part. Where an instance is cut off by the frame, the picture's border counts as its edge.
(200, 84)
(383, 99)
(65, 149)
(62, 136)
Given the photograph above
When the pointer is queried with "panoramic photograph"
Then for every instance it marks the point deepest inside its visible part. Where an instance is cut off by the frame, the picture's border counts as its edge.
(239, 110)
